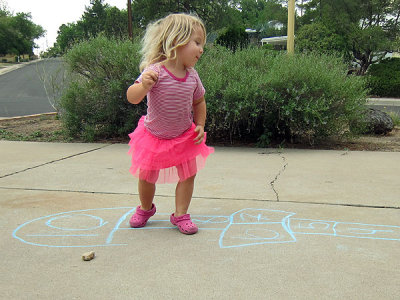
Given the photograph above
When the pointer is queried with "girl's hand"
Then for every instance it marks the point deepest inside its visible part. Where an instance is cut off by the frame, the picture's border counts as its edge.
(200, 136)
(149, 78)
(137, 91)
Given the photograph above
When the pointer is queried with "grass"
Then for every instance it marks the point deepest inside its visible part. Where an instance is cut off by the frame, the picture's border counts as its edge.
(45, 128)
(395, 117)
(36, 136)
(3, 65)
(48, 128)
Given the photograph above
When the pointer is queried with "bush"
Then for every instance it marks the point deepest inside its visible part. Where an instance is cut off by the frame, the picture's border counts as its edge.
(252, 94)
(94, 105)
(235, 91)
(312, 96)
(264, 95)
(384, 78)
(233, 38)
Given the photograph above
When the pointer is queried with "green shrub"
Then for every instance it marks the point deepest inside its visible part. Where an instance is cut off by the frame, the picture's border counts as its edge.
(235, 85)
(395, 118)
(94, 105)
(233, 38)
(257, 94)
(311, 96)
(384, 78)
(252, 94)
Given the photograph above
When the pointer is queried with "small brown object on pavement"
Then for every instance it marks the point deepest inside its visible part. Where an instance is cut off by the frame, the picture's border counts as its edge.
(88, 256)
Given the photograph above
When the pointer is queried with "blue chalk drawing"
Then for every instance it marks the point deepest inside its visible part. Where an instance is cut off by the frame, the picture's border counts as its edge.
(246, 227)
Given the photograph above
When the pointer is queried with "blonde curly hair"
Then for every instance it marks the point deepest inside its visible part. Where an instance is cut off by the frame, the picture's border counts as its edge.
(164, 36)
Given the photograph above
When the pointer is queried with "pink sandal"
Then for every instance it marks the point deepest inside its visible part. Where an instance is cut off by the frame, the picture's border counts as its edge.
(140, 217)
(184, 223)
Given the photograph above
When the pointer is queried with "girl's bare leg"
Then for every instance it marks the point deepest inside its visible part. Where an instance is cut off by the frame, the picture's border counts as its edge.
(183, 196)
(146, 194)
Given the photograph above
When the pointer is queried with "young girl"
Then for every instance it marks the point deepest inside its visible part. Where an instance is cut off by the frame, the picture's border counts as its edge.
(167, 146)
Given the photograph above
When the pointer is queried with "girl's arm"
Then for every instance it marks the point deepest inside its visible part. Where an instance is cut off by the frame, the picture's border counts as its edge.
(199, 114)
(139, 90)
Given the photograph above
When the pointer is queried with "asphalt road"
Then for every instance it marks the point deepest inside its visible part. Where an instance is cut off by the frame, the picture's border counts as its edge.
(31, 89)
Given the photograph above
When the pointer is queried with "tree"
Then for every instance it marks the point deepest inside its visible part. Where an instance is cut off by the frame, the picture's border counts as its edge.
(68, 34)
(98, 18)
(251, 11)
(268, 17)
(369, 45)
(233, 38)
(94, 18)
(368, 29)
(215, 13)
(17, 33)
(377, 32)
(116, 22)
(320, 38)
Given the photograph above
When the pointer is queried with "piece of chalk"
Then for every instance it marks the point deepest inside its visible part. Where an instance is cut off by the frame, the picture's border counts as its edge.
(88, 255)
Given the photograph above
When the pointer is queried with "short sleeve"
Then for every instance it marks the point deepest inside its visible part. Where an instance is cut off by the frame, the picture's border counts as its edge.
(200, 90)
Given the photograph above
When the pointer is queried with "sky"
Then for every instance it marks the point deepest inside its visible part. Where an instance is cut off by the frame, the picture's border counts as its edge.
(51, 14)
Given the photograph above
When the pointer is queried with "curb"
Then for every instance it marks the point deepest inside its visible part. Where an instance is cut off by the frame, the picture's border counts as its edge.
(17, 66)
(26, 117)
(384, 101)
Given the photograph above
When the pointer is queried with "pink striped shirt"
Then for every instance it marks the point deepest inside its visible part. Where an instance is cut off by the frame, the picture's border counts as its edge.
(170, 101)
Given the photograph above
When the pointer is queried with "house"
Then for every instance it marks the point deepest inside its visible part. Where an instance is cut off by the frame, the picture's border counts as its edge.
(10, 58)
(278, 42)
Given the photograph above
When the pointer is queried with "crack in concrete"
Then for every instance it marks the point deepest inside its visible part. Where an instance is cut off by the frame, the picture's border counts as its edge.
(53, 161)
(272, 183)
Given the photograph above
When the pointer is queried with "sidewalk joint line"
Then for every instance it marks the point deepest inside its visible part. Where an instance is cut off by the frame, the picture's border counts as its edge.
(209, 198)
(53, 161)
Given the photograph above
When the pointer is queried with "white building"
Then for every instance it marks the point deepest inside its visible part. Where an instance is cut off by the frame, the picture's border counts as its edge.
(276, 40)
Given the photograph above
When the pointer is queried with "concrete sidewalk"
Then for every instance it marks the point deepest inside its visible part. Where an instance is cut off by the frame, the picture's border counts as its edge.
(15, 66)
(384, 101)
(274, 224)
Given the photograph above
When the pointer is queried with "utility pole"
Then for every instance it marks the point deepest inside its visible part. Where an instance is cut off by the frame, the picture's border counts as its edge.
(130, 20)
(290, 29)
(301, 11)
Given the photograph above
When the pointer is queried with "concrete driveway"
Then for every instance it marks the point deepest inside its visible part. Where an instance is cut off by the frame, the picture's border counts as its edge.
(290, 224)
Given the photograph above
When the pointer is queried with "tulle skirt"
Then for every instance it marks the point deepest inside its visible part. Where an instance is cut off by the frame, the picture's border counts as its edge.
(166, 161)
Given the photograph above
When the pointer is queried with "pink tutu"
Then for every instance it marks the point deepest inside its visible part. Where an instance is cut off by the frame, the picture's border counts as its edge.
(166, 161)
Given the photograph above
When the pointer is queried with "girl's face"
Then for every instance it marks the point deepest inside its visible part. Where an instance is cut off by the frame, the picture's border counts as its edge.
(190, 53)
